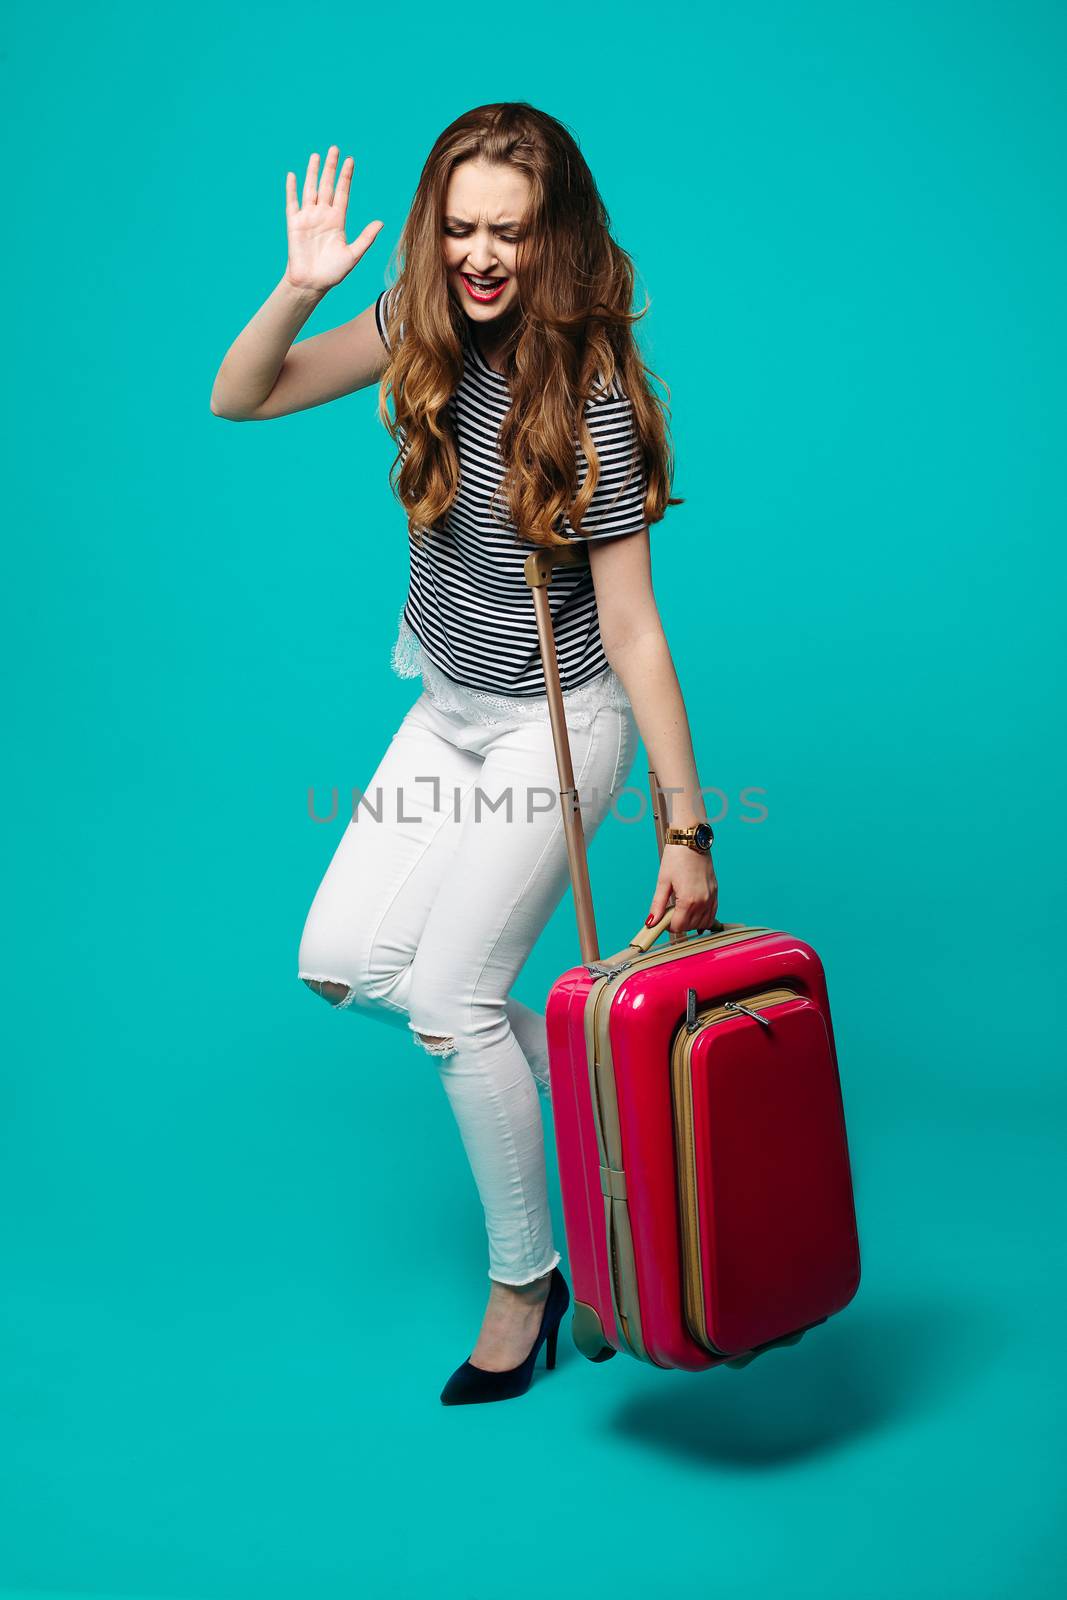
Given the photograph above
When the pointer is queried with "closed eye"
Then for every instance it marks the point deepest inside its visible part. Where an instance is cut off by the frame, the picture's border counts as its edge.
(461, 233)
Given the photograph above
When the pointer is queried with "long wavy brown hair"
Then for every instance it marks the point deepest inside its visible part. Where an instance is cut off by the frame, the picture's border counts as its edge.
(573, 335)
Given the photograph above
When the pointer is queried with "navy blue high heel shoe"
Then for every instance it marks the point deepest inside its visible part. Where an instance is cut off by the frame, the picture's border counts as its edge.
(469, 1385)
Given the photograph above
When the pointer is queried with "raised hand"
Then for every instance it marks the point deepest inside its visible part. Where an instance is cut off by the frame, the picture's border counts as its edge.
(318, 256)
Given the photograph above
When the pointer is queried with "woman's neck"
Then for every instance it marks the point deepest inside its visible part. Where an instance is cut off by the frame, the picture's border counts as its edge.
(491, 339)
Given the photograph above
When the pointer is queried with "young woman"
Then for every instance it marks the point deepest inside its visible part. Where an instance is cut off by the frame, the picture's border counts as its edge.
(524, 416)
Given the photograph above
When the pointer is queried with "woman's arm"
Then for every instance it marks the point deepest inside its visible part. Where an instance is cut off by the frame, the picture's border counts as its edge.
(636, 647)
(262, 375)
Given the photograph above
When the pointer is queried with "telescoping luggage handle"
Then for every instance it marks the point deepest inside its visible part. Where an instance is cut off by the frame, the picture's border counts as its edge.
(538, 569)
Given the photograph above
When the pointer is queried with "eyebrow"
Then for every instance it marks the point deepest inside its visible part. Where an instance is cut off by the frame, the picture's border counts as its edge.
(462, 222)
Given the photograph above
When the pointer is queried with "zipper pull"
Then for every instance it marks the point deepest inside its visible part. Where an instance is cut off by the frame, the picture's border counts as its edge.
(690, 1010)
(735, 1005)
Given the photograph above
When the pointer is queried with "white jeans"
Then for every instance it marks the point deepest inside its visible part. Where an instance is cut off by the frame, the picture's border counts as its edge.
(453, 862)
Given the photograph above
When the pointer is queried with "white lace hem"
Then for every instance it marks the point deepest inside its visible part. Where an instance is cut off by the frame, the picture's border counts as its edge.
(582, 704)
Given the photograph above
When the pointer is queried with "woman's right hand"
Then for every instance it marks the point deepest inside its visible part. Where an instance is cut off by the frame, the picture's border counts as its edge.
(318, 255)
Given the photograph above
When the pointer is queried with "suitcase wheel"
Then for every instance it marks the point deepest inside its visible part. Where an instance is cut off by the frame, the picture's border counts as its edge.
(772, 1344)
(587, 1331)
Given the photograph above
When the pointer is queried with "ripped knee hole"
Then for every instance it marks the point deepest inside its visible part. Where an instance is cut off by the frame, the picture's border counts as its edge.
(436, 1044)
(335, 993)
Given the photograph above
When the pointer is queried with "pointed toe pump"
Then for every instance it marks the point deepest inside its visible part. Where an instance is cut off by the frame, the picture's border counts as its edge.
(470, 1385)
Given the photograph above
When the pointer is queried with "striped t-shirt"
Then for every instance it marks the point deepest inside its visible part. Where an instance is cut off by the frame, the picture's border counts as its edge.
(468, 602)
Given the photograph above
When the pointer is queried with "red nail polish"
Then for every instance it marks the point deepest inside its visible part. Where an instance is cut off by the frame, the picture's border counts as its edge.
(649, 920)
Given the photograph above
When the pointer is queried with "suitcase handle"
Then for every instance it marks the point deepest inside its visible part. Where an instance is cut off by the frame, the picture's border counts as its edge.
(538, 569)
(645, 938)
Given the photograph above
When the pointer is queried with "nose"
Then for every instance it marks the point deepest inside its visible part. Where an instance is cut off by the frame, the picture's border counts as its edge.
(481, 257)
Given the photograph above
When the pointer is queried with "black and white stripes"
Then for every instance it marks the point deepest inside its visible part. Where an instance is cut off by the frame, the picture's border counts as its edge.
(468, 602)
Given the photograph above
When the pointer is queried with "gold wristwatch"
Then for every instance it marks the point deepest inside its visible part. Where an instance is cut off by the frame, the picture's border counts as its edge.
(700, 837)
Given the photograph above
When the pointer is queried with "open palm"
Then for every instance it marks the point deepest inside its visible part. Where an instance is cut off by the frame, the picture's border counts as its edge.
(318, 255)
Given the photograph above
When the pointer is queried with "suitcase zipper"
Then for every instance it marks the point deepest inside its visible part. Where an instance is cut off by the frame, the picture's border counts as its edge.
(694, 1024)
(682, 1089)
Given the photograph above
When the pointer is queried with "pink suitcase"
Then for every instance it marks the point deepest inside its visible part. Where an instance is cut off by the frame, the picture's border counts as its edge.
(704, 1166)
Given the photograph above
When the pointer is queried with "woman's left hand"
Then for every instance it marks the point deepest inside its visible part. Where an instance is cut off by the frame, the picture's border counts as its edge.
(690, 877)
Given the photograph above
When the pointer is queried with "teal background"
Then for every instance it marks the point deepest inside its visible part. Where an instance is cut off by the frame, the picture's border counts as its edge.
(241, 1246)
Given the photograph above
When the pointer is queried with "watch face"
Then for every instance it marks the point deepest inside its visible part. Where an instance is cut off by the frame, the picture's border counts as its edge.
(703, 836)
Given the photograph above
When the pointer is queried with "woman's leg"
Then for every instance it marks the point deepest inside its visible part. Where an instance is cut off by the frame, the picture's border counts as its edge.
(365, 946)
(504, 878)
(364, 923)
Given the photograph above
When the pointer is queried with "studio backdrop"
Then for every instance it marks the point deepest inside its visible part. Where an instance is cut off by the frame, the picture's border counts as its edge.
(241, 1245)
